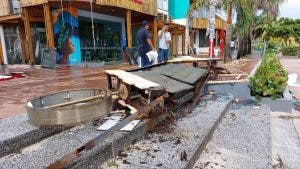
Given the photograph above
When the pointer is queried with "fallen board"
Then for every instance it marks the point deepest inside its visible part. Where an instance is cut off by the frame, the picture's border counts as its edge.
(174, 77)
(170, 85)
(132, 79)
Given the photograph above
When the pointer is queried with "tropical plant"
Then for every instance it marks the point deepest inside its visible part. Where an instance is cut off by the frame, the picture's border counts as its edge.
(246, 12)
(270, 78)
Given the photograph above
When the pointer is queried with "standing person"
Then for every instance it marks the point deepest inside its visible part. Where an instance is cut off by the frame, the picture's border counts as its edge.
(232, 46)
(164, 40)
(144, 44)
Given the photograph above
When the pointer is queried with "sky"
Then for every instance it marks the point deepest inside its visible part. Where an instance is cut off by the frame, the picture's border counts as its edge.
(290, 9)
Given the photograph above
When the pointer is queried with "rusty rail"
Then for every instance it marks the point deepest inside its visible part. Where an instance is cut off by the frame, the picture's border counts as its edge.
(143, 112)
(67, 159)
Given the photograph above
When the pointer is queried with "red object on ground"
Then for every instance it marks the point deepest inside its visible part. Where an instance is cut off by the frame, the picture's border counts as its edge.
(211, 48)
(17, 74)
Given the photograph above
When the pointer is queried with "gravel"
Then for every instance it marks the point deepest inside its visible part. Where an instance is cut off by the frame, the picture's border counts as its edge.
(242, 141)
(176, 145)
(16, 133)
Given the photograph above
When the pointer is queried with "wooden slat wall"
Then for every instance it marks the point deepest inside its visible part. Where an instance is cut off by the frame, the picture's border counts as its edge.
(4, 7)
(202, 23)
(25, 3)
(148, 6)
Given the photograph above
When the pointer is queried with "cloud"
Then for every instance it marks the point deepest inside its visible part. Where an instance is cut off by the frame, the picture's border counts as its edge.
(290, 9)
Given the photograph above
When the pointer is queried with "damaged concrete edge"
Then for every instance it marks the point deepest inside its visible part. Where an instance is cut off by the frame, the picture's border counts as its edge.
(207, 138)
(115, 143)
(22, 138)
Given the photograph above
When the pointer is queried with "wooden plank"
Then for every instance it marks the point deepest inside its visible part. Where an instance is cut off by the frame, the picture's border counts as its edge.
(26, 3)
(48, 26)
(202, 23)
(23, 40)
(28, 36)
(132, 79)
(147, 6)
(4, 6)
(155, 32)
(128, 28)
(1, 53)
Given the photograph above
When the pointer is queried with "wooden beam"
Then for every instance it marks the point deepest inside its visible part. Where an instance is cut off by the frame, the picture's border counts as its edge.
(155, 36)
(48, 26)
(28, 36)
(175, 44)
(23, 40)
(32, 19)
(128, 28)
(183, 43)
(1, 53)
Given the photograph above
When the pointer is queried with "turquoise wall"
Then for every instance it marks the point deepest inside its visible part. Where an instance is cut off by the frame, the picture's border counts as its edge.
(178, 8)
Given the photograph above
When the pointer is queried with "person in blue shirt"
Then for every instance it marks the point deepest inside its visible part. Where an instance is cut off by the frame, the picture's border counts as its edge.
(144, 44)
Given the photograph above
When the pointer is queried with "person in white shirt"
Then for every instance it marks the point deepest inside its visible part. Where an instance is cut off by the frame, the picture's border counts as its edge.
(164, 42)
(232, 46)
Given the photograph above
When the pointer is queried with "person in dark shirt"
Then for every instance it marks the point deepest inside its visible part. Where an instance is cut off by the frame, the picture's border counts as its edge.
(144, 43)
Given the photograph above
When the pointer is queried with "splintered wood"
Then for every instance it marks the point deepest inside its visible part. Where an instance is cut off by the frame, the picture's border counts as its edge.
(132, 79)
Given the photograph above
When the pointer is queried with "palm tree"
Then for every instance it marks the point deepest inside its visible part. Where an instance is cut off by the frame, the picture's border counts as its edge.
(246, 10)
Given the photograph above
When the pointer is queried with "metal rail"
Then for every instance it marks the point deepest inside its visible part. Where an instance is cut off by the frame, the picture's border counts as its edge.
(67, 159)
(143, 112)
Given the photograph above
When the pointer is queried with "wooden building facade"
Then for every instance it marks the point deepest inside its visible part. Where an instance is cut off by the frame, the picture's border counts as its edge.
(78, 29)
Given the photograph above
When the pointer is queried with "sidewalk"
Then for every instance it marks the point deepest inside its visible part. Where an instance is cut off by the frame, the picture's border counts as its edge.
(40, 81)
(292, 65)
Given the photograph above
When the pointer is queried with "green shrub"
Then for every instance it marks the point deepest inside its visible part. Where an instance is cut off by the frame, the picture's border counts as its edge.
(270, 78)
(291, 51)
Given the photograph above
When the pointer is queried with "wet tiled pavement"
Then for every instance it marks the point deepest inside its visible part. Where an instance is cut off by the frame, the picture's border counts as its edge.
(14, 93)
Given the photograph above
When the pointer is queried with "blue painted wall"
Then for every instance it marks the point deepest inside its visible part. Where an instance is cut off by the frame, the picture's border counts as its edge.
(178, 8)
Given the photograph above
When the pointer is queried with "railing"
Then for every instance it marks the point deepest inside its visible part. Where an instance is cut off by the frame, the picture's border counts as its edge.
(9, 7)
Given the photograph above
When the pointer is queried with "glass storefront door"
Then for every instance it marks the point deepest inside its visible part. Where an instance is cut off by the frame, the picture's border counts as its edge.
(108, 36)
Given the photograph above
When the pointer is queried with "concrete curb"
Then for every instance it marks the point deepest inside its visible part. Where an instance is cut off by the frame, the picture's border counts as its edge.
(207, 138)
(16, 133)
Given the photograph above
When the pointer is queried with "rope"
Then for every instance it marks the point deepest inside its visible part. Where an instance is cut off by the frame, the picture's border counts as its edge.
(62, 12)
(70, 4)
(93, 28)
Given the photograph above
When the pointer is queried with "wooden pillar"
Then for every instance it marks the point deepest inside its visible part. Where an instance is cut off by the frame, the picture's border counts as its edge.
(176, 43)
(128, 28)
(1, 53)
(183, 43)
(28, 36)
(155, 36)
(23, 41)
(191, 42)
(48, 26)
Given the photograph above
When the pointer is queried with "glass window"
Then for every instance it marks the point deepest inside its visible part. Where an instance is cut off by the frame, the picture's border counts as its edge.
(107, 40)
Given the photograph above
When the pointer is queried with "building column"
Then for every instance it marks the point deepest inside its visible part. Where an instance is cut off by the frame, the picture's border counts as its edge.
(183, 43)
(3, 54)
(128, 29)
(28, 36)
(155, 36)
(23, 40)
(176, 43)
(48, 26)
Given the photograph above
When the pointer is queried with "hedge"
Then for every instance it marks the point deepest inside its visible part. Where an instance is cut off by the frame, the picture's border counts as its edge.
(270, 79)
(291, 51)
